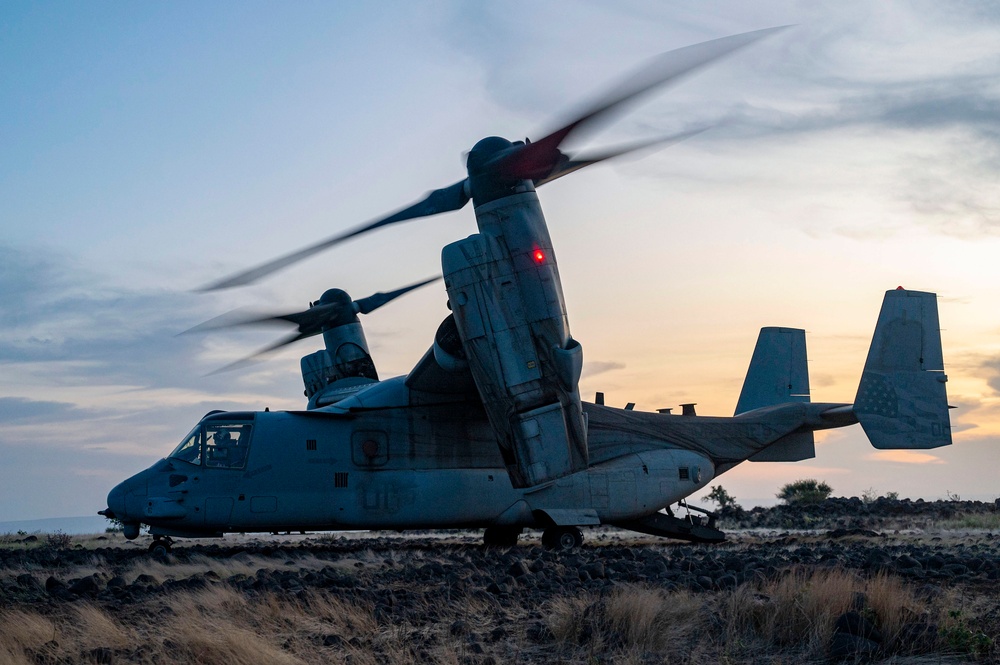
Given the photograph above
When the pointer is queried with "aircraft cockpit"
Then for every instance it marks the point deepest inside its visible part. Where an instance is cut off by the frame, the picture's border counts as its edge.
(220, 440)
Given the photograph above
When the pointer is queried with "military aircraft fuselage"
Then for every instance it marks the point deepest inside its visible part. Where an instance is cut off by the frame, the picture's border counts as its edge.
(434, 466)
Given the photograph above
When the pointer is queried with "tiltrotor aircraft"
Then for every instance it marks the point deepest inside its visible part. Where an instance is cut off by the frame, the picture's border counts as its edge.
(488, 430)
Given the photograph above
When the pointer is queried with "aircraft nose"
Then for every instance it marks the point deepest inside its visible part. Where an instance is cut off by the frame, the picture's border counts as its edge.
(116, 501)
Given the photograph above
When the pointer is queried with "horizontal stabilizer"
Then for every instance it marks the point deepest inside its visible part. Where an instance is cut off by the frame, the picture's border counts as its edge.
(901, 401)
(778, 372)
(793, 447)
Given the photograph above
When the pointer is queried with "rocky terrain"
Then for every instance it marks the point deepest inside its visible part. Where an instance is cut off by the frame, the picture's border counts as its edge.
(844, 580)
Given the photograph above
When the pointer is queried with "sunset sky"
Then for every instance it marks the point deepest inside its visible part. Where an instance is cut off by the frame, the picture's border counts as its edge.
(149, 148)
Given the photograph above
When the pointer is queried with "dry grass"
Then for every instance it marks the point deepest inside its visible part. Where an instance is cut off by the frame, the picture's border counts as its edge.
(796, 610)
(791, 617)
(245, 564)
(800, 609)
(91, 628)
(788, 618)
(652, 619)
(20, 630)
(894, 604)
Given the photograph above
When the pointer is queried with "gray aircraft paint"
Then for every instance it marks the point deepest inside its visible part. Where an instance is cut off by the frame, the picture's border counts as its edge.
(438, 466)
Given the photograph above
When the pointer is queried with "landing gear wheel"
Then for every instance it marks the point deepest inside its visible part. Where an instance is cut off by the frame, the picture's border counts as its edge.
(160, 547)
(562, 538)
(501, 536)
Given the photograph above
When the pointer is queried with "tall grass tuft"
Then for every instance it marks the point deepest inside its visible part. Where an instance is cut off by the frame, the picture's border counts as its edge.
(652, 619)
(21, 629)
(91, 627)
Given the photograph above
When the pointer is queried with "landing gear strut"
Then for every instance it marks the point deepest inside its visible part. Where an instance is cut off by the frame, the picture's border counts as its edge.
(501, 536)
(160, 546)
(562, 538)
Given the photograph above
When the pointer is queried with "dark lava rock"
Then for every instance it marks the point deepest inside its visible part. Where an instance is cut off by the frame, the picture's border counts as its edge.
(844, 646)
(101, 655)
(703, 582)
(86, 586)
(954, 569)
(727, 582)
(854, 624)
(517, 569)
(538, 632)
(734, 564)
(843, 533)
(918, 637)
(28, 581)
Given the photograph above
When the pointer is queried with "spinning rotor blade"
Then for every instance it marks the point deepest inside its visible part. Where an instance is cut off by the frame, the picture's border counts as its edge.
(310, 322)
(284, 341)
(438, 201)
(312, 317)
(541, 161)
(537, 160)
(568, 165)
(373, 302)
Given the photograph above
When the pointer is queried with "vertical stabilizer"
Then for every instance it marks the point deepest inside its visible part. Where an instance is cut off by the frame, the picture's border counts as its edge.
(901, 401)
(778, 372)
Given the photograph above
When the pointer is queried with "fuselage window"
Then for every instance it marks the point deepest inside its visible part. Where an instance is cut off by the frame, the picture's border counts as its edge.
(189, 449)
(226, 444)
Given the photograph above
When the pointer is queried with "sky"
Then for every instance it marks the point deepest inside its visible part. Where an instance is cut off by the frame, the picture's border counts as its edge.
(148, 149)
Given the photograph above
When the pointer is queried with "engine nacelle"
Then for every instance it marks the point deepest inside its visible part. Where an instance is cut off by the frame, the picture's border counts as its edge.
(506, 297)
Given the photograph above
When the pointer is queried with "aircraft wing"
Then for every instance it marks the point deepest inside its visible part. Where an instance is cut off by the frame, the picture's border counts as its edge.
(430, 381)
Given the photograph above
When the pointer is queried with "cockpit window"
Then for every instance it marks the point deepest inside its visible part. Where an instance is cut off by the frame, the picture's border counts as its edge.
(222, 445)
(189, 449)
(226, 444)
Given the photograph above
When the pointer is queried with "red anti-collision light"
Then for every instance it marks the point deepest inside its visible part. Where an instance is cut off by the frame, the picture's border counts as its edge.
(539, 256)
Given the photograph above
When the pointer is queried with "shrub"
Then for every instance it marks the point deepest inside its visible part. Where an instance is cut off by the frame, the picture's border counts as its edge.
(958, 637)
(804, 491)
(871, 496)
(58, 540)
(720, 496)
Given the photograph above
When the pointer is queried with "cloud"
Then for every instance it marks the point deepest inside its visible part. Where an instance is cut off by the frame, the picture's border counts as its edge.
(991, 366)
(593, 368)
(904, 457)
(18, 410)
(66, 324)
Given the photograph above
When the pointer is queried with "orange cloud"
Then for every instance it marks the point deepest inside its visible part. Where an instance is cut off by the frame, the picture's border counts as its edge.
(904, 456)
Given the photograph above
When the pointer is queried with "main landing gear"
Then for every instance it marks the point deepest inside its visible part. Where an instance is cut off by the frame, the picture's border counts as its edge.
(160, 546)
(562, 538)
(501, 536)
(558, 538)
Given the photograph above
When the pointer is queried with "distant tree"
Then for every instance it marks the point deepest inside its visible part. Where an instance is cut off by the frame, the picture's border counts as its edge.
(720, 496)
(804, 491)
(871, 496)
